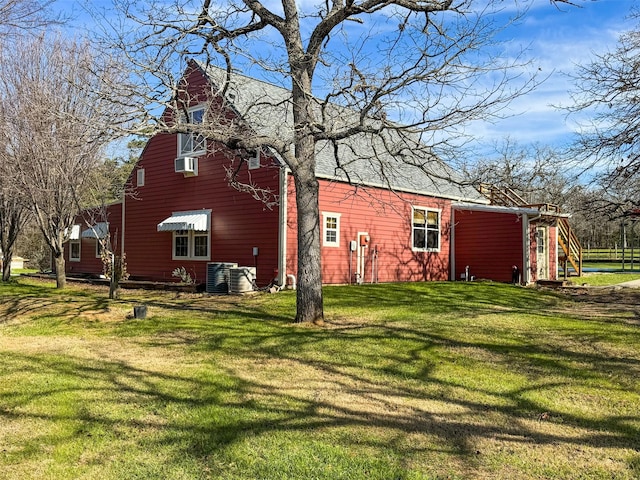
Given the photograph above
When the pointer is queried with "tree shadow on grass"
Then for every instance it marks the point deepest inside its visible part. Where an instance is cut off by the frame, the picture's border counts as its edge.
(68, 309)
(246, 380)
(463, 298)
(257, 384)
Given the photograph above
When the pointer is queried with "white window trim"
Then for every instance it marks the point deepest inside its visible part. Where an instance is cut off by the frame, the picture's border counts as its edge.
(254, 160)
(325, 242)
(174, 236)
(140, 177)
(426, 210)
(191, 242)
(192, 153)
(71, 243)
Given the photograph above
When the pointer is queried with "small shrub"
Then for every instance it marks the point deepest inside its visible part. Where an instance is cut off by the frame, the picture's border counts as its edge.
(183, 275)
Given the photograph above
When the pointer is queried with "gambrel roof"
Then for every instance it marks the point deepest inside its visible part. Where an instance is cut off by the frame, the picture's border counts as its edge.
(389, 160)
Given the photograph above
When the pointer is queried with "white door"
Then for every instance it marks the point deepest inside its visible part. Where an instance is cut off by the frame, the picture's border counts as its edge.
(542, 257)
(363, 251)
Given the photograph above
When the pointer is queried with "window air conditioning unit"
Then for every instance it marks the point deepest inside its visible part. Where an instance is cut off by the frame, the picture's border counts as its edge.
(186, 165)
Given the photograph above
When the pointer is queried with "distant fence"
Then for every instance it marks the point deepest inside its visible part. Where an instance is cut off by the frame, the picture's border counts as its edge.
(615, 254)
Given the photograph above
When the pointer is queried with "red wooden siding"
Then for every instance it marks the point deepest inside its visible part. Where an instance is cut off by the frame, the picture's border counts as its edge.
(490, 243)
(553, 253)
(387, 218)
(238, 221)
(533, 254)
(89, 264)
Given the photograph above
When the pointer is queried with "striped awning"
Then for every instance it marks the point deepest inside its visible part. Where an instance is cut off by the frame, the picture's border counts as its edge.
(198, 221)
(99, 230)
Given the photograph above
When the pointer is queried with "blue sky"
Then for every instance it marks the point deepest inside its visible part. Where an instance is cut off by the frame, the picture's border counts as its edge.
(556, 39)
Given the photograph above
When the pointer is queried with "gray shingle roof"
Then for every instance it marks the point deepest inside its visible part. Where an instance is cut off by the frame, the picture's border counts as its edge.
(362, 159)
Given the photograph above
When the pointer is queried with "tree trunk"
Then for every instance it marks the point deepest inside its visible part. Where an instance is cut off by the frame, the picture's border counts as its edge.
(61, 278)
(11, 223)
(309, 294)
(6, 265)
(113, 289)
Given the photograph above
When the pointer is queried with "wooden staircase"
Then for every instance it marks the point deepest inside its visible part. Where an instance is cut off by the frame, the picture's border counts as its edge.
(504, 196)
(567, 239)
(570, 246)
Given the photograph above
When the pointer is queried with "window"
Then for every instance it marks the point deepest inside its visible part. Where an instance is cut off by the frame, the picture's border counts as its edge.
(191, 231)
(541, 236)
(181, 244)
(74, 250)
(426, 229)
(99, 248)
(192, 143)
(254, 160)
(190, 245)
(74, 244)
(331, 229)
(140, 177)
(200, 244)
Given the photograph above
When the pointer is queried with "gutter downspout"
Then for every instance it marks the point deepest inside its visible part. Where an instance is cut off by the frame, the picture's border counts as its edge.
(124, 196)
(282, 229)
(452, 246)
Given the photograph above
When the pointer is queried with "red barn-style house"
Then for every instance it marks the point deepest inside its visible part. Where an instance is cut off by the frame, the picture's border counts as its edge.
(404, 226)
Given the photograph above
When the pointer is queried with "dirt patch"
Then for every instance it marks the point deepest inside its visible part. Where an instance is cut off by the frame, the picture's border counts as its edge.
(612, 294)
(603, 302)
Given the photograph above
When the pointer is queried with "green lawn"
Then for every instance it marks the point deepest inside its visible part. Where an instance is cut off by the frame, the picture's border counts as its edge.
(608, 254)
(20, 271)
(608, 274)
(605, 279)
(414, 381)
(614, 266)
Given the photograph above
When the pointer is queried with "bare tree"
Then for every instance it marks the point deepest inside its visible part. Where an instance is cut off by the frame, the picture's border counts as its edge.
(608, 93)
(20, 15)
(532, 171)
(402, 75)
(539, 175)
(16, 16)
(54, 130)
(105, 185)
(13, 211)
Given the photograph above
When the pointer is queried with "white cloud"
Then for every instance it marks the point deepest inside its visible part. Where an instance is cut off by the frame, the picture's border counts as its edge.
(557, 42)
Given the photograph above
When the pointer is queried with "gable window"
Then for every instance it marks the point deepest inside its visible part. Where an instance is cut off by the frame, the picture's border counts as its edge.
(331, 229)
(425, 229)
(254, 160)
(191, 234)
(140, 177)
(192, 143)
